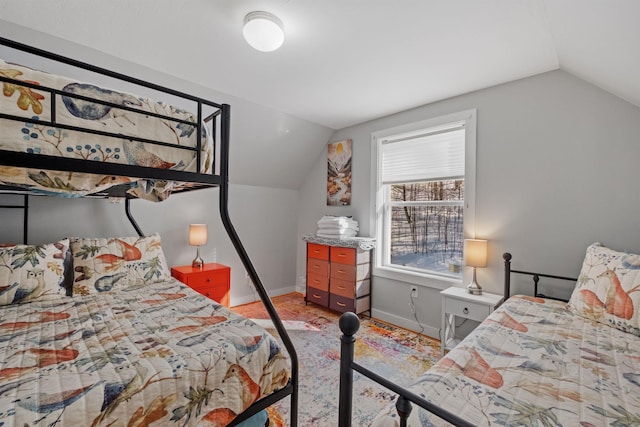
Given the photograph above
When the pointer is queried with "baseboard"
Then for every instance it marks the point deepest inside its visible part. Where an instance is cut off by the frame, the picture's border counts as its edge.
(410, 324)
(253, 297)
(281, 291)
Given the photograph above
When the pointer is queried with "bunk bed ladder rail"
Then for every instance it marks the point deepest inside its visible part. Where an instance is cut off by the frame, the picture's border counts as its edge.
(349, 325)
(132, 220)
(292, 387)
(25, 221)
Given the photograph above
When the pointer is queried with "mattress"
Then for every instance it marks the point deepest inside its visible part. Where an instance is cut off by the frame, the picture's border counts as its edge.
(158, 354)
(167, 125)
(534, 363)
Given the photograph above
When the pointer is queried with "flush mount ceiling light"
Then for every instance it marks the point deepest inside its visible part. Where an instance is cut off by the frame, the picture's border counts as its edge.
(263, 31)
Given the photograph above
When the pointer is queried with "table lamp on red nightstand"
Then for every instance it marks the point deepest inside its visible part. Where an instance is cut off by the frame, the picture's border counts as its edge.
(197, 238)
(475, 255)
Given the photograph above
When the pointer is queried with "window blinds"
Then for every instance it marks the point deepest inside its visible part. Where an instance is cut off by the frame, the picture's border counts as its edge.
(430, 154)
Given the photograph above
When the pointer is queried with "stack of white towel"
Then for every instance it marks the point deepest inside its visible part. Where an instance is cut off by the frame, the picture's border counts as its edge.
(337, 227)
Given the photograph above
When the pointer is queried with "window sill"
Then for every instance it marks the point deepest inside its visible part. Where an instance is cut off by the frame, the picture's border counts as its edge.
(415, 278)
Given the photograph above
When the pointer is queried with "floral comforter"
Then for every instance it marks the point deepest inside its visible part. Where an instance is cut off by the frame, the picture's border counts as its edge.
(41, 138)
(535, 363)
(158, 353)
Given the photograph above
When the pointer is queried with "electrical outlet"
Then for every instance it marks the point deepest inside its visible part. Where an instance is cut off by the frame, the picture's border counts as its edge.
(414, 291)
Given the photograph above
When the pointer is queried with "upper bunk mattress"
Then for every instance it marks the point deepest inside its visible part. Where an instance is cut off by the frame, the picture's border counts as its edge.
(177, 127)
(149, 354)
(534, 363)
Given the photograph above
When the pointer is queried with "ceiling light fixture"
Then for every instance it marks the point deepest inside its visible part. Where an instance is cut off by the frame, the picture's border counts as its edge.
(263, 31)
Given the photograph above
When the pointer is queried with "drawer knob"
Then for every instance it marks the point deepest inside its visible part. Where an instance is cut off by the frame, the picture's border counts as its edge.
(316, 296)
(341, 287)
(208, 279)
(465, 310)
(316, 281)
(341, 271)
(341, 304)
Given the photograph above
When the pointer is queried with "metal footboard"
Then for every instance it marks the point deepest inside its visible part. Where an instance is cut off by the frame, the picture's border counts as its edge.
(349, 325)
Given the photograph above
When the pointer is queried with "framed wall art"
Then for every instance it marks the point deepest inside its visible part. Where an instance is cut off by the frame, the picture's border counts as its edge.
(339, 173)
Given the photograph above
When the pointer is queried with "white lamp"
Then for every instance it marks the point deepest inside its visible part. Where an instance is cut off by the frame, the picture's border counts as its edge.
(475, 255)
(197, 238)
(263, 31)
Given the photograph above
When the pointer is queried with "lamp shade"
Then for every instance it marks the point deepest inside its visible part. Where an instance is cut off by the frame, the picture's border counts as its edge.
(475, 253)
(197, 234)
(263, 31)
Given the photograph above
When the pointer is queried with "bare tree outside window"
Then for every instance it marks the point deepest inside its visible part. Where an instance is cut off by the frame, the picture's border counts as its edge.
(427, 225)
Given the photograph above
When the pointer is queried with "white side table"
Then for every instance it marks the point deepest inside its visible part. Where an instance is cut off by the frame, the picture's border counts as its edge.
(457, 302)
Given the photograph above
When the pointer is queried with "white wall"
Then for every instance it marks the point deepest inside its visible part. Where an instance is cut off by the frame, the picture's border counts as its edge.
(262, 218)
(557, 169)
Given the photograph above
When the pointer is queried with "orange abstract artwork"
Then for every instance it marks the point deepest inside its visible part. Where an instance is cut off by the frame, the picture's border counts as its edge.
(339, 173)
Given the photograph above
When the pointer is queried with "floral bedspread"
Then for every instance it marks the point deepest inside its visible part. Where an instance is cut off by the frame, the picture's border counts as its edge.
(40, 138)
(158, 353)
(535, 363)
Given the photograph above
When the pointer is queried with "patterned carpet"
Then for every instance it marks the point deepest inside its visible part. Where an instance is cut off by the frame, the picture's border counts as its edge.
(390, 351)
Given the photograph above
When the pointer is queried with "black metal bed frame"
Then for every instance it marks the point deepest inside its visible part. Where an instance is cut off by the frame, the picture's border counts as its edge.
(220, 123)
(350, 323)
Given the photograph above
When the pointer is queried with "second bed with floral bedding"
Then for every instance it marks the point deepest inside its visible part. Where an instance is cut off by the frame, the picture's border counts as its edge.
(540, 362)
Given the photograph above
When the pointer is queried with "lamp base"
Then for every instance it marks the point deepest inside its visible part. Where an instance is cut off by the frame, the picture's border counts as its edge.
(198, 262)
(474, 288)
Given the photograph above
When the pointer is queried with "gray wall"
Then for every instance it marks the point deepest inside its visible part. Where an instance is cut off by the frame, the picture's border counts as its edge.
(557, 169)
(262, 217)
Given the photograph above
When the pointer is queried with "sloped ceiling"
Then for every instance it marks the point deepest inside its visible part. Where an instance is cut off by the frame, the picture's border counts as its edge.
(599, 41)
(346, 62)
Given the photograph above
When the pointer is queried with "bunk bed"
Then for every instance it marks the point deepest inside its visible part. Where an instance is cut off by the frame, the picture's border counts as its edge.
(533, 361)
(96, 331)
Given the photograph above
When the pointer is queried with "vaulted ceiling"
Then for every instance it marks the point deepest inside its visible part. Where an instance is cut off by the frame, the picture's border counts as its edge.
(346, 62)
(343, 62)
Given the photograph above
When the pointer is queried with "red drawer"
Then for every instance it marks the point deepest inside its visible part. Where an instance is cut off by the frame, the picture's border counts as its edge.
(343, 272)
(318, 266)
(318, 282)
(317, 296)
(207, 278)
(317, 251)
(217, 293)
(343, 288)
(343, 255)
(341, 304)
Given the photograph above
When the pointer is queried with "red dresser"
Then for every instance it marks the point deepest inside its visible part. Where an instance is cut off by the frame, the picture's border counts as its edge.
(212, 280)
(339, 277)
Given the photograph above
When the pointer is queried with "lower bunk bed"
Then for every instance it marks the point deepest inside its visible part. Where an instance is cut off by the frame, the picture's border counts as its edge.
(534, 361)
(129, 348)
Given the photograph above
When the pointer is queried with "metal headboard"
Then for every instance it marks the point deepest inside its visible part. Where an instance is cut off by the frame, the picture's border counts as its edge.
(536, 278)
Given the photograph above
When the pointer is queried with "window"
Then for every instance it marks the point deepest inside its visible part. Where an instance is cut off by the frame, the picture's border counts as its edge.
(424, 191)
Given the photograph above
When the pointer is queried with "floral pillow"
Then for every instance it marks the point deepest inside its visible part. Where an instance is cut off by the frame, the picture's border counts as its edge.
(608, 288)
(100, 264)
(32, 272)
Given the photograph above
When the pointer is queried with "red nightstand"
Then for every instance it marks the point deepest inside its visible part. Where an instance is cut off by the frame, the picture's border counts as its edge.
(212, 280)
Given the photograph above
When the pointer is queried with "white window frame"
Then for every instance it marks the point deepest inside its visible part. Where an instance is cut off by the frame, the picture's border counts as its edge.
(414, 276)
